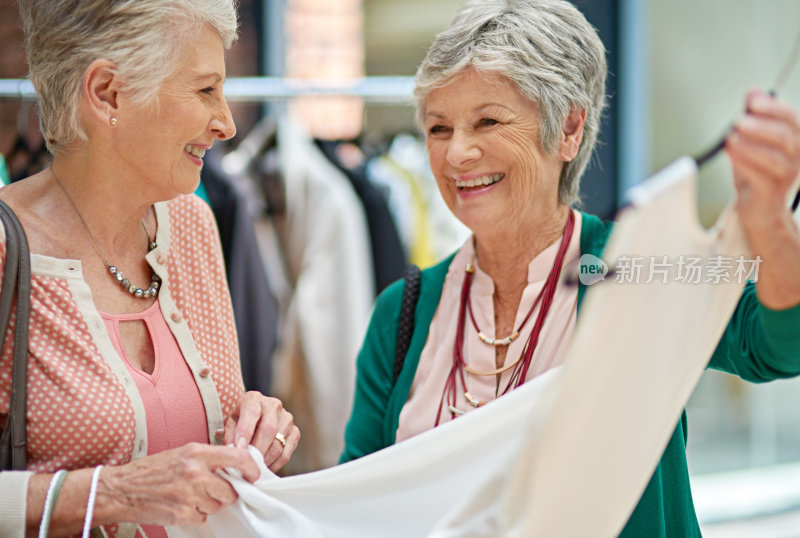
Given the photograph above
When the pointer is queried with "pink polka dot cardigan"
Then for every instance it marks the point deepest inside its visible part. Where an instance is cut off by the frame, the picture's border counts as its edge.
(83, 405)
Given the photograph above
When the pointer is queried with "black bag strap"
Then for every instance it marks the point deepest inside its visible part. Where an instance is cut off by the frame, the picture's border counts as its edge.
(405, 327)
(16, 283)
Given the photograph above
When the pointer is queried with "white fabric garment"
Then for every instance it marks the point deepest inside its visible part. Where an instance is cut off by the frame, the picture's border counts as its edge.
(541, 460)
(398, 492)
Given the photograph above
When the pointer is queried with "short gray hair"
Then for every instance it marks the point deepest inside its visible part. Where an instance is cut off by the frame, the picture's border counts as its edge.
(144, 38)
(546, 48)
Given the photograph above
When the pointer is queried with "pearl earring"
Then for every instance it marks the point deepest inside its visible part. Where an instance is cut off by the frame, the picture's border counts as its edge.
(113, 122)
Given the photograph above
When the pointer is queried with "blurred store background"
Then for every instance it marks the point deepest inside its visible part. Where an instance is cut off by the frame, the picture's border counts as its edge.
(679, 70)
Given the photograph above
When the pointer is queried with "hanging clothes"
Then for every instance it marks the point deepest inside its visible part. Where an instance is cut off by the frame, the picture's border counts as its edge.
(388, 258)
(428, 229)
(414, 215)
(255, 308)
(567, 454)
(324, 240)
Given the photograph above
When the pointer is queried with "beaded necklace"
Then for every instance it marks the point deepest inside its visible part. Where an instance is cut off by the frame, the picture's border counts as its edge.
(522, 363)
(127, 285)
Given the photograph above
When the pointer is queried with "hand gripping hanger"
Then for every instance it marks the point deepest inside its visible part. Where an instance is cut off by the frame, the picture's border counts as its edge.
(782, 77)
(571, 278)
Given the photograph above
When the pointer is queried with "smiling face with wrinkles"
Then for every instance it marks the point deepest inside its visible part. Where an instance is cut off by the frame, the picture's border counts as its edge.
(165, 142)
(483, 142)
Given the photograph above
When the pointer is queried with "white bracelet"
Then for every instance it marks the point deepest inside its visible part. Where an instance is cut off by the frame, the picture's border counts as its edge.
(50, 501)
(87, 522)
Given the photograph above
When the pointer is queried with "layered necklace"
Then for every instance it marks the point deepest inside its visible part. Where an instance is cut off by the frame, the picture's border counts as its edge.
(522, 363)
(127, 285)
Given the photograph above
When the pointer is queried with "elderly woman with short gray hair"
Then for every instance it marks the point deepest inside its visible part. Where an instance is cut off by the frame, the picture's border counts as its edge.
(135, 394)
(510, 98)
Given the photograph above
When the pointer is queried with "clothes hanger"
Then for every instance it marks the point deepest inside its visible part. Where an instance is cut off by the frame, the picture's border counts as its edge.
(252, 156)
(571, 278)
(788, 66)
(261, 138)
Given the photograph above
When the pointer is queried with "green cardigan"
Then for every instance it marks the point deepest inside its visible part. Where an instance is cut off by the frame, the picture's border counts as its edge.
(758, 345)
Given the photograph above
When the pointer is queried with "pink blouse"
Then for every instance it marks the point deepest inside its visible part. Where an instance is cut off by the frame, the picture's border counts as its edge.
(172, 404)
(419, 412)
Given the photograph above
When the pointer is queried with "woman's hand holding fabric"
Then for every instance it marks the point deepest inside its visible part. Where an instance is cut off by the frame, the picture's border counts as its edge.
(765, 153)
(263, 422)
(178, 486)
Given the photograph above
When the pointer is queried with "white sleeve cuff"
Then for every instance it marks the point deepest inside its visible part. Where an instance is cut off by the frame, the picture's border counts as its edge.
(13, 497)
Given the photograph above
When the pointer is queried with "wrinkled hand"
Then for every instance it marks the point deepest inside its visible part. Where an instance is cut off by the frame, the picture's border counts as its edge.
(175, 487)
(256, 421)
(765, 153)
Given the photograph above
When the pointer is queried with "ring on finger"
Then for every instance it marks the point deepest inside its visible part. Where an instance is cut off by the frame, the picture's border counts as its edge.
(281, 439)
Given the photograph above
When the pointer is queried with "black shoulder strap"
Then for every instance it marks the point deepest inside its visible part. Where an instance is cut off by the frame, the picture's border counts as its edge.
(16, 279)
(405, 327)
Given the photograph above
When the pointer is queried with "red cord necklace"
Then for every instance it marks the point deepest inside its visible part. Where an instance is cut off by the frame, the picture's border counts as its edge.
(522, 363)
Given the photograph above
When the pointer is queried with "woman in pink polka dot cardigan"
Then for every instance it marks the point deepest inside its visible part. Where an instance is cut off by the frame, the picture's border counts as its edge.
(133, 360)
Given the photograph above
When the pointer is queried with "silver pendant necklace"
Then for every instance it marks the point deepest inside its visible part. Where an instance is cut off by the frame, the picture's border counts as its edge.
(127, 285)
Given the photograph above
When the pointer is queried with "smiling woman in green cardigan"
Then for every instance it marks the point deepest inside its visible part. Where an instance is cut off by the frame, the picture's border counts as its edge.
(510, 98)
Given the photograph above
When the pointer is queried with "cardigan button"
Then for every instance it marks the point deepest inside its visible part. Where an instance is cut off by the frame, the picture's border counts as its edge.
(219, 434)
(162, 259)
(204, 371)
(176, 316)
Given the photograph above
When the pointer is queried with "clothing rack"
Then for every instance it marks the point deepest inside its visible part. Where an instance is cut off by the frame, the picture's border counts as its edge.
(397, 90)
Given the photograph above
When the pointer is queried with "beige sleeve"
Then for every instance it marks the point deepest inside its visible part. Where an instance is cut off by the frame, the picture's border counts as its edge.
(13, 495)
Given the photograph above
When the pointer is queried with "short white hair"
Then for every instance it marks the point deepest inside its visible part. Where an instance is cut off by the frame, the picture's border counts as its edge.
(144, 39)
(546, 48)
